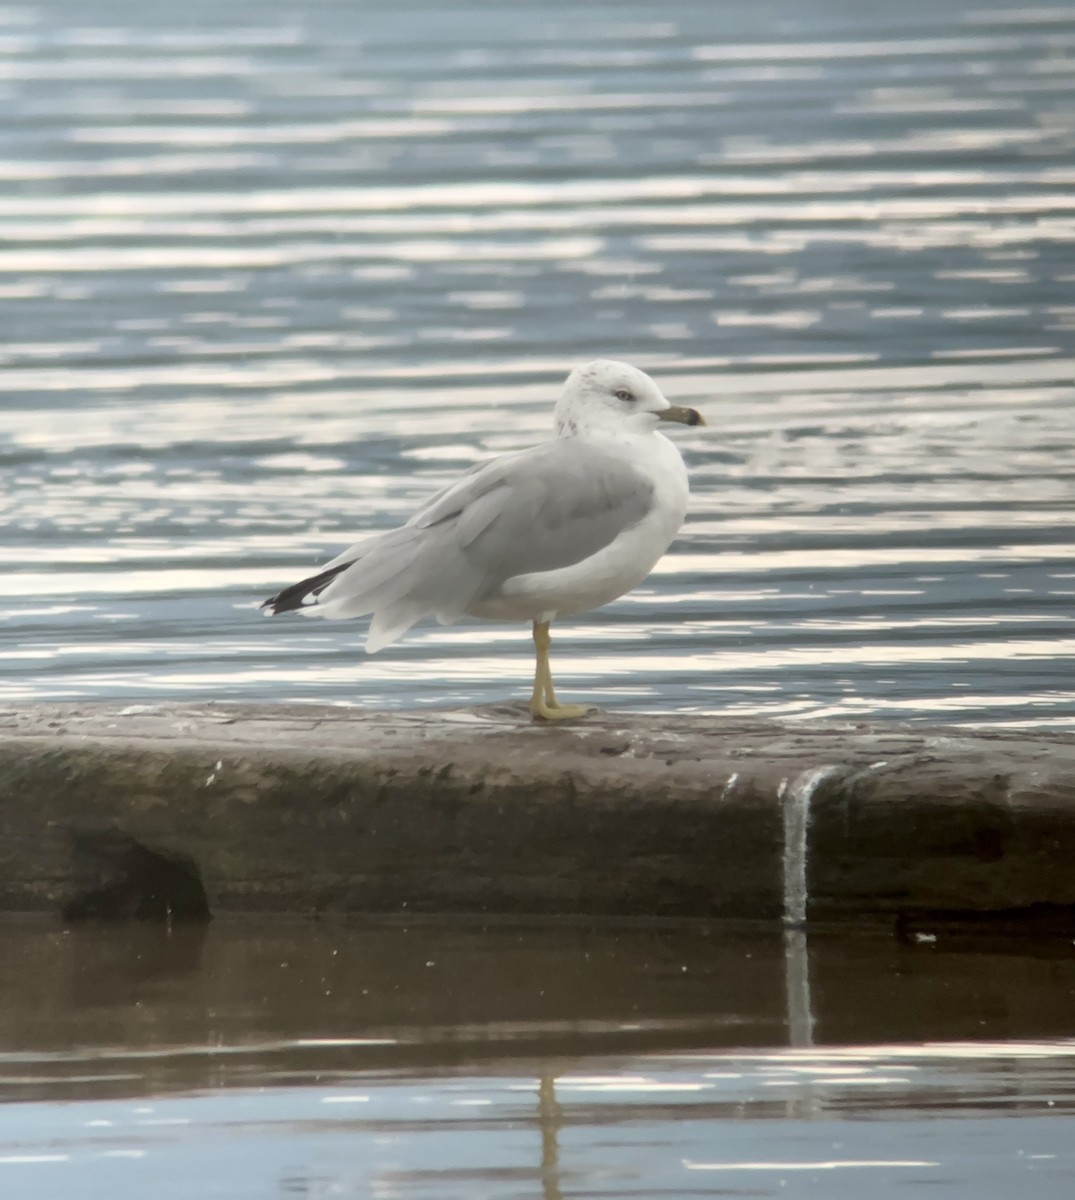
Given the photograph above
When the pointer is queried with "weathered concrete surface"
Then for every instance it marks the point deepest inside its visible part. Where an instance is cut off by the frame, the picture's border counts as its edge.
(300, 808)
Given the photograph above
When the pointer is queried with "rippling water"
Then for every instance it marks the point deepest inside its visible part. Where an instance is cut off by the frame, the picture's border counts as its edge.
(271, 274)
(814, 1127)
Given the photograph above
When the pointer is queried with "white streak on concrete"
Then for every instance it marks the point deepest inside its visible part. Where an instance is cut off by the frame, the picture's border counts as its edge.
(796, 800)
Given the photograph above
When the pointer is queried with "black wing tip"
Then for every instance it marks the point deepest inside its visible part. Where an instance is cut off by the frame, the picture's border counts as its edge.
(272, 604)
(280, 603)
(296, 596)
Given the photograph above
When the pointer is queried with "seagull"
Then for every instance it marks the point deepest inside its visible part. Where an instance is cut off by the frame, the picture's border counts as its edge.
(552, 531)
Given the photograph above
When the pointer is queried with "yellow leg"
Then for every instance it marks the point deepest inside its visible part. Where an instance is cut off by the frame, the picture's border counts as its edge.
(543, 701)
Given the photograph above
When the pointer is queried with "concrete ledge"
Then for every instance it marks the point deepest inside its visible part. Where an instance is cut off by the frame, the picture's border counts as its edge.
(307, 809)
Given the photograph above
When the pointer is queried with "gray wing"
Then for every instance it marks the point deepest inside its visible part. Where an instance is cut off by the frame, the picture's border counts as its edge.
(539, 510)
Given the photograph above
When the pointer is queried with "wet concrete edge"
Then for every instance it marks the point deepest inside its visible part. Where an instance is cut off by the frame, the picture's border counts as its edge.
(312, 809)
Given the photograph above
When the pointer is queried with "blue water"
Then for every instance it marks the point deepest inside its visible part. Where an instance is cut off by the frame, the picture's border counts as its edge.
(703, 1125)
(264, 1057)
(271, 274)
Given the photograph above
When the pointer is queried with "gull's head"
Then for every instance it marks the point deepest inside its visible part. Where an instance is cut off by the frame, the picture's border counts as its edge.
(609, 396)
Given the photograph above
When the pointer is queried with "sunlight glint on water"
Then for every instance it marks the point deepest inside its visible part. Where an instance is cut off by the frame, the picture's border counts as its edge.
(272, 276)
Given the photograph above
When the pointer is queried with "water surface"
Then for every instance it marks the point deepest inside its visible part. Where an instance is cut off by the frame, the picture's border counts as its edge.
(262, 1057)
(271, 275)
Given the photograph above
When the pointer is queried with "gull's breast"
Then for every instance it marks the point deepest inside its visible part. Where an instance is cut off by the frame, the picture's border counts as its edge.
(614, 569)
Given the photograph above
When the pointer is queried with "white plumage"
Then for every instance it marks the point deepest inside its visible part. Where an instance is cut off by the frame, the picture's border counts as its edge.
(560, 528)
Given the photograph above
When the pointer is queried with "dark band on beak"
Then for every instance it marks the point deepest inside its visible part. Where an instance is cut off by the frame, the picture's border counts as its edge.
(681, 415)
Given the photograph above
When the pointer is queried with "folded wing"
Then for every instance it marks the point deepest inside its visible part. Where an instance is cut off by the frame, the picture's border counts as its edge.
(539, 510)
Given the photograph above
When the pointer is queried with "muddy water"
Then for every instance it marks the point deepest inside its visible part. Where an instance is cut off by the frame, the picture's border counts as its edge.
(272, 274)
(260, 1058)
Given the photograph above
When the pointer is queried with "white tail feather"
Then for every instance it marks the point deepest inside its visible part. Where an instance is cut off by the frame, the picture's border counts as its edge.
(402, 577)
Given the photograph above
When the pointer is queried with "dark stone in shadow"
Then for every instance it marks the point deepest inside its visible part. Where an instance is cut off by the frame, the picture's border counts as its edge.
(121, 879)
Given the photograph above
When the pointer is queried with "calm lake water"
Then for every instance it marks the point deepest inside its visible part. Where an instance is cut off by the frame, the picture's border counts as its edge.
(272, 274)
(264, 1058)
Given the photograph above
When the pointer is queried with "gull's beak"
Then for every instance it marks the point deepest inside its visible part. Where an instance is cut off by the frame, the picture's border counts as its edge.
(684, 416)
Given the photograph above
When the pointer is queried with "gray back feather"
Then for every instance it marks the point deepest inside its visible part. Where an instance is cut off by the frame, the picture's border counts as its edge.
(538, 510)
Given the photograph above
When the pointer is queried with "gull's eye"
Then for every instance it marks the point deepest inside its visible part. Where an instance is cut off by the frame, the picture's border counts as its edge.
(624, 395)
